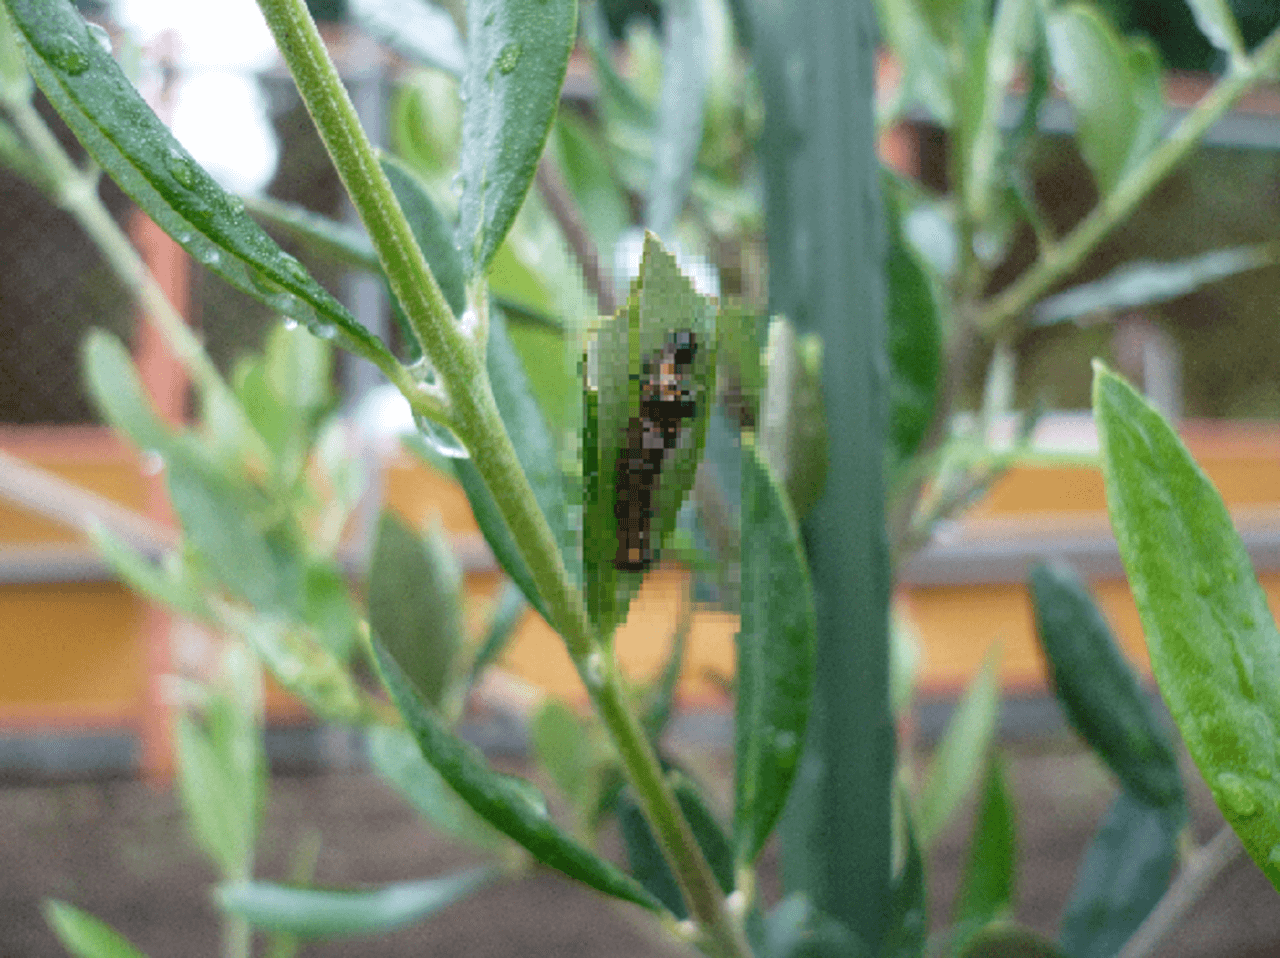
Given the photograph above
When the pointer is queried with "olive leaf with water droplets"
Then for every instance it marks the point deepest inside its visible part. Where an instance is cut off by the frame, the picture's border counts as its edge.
(1214, 646)
(102, 108)
(517, 56)
(776, 656)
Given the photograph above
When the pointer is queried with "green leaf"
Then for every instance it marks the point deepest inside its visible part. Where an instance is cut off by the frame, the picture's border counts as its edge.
(795, 929)
(915, 339)
(300, 664)
(624, 360)
(171, 587)
(563, 749)
(415, 604)
(923, 57)
(776, 644)
(219, 812)
(396, 757)
(418, 29)
(117, 392)
(587, 172)
(645, 857)
(793, 420)
(537, 455)
(1124, 873)
(1214, 646)
(83, 935)
(681, 104)
(506, 617)
(1109, 84)
(432, 232)
(509, 804)
(325, 913)
(986, 888)
(1143, 283)
(1219, 26)
(111, 120)
(957, 761)
(1098, 690)
(13, 67)
(908, 924)
(335, 241)
(1009, 941)
(517, 56)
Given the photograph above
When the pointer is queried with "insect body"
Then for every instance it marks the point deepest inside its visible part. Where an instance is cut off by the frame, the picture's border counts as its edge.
(666, 401)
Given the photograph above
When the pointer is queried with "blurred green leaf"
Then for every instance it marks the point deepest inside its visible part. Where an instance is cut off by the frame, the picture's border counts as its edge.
(563, 749)
(172, 587)
(415, 604)
(776, 649)
(17, 156)
(795, 929)
(986, 887)
(328, 609)
(109, 117)
(214, 797)
(793, 421)
(420, 30)
(507, 615)
(957, 762)
(537, 455)
(915, 339)
(326, 913)
(645, 856)
(517, 55)
(586, 170)
(922, 56)
(1125, 871)
(432, 232)
(1214, 646)
(1143, 283)
(908, 924)
(681, 104)
(13, 67)
(509, 804)
(1099, 691)
(1113, 86)
(1009, 941)
(117, 392)
(1219, 26)
(396, 757)
(341, 244)
(83, 935)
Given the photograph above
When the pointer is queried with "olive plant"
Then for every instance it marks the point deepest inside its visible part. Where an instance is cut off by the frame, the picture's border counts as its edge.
(688, 410)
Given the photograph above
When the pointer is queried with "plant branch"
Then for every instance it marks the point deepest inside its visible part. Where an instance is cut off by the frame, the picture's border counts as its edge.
(474, 416)
(555, 193)
(1190, 885)
(999, 315)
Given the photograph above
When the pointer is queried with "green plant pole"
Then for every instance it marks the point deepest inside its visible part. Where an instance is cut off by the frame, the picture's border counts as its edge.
(826, 269)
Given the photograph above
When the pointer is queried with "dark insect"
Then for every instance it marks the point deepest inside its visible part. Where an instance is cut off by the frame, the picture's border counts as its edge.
(666, 400)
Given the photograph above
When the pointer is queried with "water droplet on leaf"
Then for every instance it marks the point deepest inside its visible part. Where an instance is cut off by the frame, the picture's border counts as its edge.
(508, 57)
(181, 169)
(441, 438)
(290, 324)
(100, 34)
(66, 53)
(152, 463)
(1237, 795)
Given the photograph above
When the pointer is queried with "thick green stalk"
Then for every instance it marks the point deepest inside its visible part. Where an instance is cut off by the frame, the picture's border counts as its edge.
(1060, 260)
(474, 416)
(823, 208)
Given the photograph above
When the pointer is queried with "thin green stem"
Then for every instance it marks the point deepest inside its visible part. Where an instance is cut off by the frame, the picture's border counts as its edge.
(1000, 315)
(474, 416)
(76, 191)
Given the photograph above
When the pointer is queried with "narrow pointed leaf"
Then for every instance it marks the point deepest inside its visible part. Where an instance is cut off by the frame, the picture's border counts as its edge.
(1219, 26)
(418, 29)
(396, 757)
(563, 749)
(147, 577)
(1098, 689)
(775, 657)
(986, 888)
(957, 761)
(537, 454)
(1125, 871)
(1144, 283)
(117, 391)
(325, 913)
(211, 799)
(908, 925)
(85, 936)
(1214, 646)
(517, 56)
(111, 120)
(511, 805)
(506, 617)
(415, 604)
